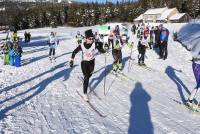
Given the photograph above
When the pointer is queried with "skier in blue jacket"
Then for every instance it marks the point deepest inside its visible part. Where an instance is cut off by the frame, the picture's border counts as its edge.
(164, 35)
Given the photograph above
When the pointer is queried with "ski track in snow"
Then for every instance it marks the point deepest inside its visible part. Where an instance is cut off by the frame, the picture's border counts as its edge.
(40, 97)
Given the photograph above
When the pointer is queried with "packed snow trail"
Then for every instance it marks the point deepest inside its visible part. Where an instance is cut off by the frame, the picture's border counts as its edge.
(40, 97)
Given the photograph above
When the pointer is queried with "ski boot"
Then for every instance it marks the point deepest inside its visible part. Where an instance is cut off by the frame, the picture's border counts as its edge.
(189, 103)
(50, 58)
(120, 72)
(85, 97)
(114, 72)
(143, 64)
(139, 63)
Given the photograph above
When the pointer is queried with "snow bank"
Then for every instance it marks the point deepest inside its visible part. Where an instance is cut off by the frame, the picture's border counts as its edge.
(189, 36)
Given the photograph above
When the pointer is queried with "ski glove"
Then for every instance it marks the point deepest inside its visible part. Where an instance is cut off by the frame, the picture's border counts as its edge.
(71, 63)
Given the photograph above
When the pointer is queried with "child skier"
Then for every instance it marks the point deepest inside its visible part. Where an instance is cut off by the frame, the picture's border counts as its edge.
(142, 45)
(53, 42)
(88, 49)
(5, 52)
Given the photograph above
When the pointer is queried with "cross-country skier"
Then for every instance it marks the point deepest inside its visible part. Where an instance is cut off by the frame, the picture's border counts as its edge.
(79, 38)
(117, 55)
(164, 35)
(88, 49)
(196, 71)
(53, 42)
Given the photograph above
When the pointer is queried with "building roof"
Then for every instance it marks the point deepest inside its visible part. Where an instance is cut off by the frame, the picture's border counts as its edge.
(177, 16)
(155, 11)
(139, 18)
(166, 13)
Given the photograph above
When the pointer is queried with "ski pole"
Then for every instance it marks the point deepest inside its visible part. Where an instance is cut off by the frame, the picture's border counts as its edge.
(105, 76)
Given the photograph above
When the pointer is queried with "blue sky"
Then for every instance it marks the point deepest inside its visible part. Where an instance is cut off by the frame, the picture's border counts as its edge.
(114, 1)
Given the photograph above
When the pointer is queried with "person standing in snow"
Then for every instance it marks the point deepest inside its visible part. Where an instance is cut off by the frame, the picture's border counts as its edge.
(196, 71)
(28, 37)
(110, 39)
(53, 42)
(117, 30)
(88, 49)
(146, 32)
(157, 38)
(14, 36)
(17, 53)
(142, 45)
(133, 29)
(79, 38)
(151, 39)
(6, 48)
(25, 36)
(164, 35)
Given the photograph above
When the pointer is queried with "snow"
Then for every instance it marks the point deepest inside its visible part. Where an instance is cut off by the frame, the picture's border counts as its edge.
(40, 97)
(155, 11)
(166, 14)
(177, 16)
(189, 36)
(139, 18)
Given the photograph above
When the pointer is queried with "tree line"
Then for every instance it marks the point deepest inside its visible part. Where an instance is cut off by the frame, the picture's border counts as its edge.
(23, 16)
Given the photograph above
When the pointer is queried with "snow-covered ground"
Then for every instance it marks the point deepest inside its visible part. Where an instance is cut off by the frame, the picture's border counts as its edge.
(40, 97)
(189, 35)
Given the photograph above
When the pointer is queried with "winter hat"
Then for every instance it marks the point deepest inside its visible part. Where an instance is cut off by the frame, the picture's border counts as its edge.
(89, 33)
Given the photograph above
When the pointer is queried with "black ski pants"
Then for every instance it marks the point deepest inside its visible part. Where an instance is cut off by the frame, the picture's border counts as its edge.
(110, 43)
(141, 58)
(87, 69)
(52, 51)
(163, 50)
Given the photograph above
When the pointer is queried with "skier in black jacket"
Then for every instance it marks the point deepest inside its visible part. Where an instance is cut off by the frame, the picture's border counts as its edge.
(88, 49)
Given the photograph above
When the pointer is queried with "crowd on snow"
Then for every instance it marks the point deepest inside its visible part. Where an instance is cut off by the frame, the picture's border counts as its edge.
(116, 39)
(149, 37)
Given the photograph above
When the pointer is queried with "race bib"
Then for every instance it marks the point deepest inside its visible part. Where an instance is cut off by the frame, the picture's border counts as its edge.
(52, 40)
(89, 55)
